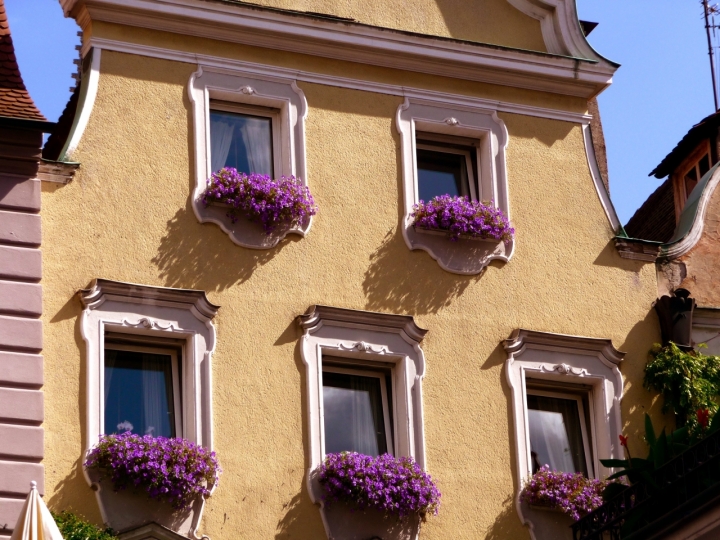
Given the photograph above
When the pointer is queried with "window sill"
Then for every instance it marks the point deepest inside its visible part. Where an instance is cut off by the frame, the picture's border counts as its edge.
(244, 232)
(467, 256)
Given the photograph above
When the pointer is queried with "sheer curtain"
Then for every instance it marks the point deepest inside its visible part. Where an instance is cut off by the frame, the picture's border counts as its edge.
(354, 418)
(221, 135)
(555, 434)
(157, 395)
(256, 137)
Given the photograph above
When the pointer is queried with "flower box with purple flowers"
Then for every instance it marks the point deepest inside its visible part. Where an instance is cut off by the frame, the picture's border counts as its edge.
(276, 205)
(569, 493)
(142, 479)
(459, 217)
(384, 496)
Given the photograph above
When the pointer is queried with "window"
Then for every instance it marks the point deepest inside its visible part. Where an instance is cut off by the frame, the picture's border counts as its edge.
(455, 149)
(565, 399)
(243, 138)
(695, 173)
(253, 123)
(446, 166)
(148, 360)
(558, 431)
(356, 411)
(364, 375)
(141, 391)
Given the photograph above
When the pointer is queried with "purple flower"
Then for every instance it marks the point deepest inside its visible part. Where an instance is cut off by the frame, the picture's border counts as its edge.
(460, 216)
(274, 203)
(393, 485)
(571, 493)
(173, 470)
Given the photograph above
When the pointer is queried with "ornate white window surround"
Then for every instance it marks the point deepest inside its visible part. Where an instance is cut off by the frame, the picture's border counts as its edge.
(563, 359)
(158, 312)
(467, 256)
(248, 89)
(369, 338)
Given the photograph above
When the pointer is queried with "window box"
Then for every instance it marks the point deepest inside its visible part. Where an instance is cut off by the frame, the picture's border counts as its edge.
(450, 148)
(128, 510)
(137, 481)
(343, 521)
(254, 125)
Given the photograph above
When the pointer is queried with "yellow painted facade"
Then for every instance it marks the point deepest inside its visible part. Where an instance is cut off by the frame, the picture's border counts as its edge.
(127, 217)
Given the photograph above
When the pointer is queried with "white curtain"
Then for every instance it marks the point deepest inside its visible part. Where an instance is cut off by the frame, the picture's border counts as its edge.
(157, 395)
(221, 134)
(256, 138)
(354, 418)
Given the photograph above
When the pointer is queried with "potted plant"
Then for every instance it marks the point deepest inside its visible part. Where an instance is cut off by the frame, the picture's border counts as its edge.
(275, 204)
(459, 217)
(383, 496)
(143, 479)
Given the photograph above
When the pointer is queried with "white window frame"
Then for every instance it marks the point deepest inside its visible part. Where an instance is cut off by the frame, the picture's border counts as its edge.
(177, 405)
(454, 120)
(563, 360)
(368, 339)
(264, 112)
(248, 90)
(587, 432)
(389, 435)
(151, 312)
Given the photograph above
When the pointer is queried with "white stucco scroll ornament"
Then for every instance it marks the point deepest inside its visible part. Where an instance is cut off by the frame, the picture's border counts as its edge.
(592, 366)
(289, 106)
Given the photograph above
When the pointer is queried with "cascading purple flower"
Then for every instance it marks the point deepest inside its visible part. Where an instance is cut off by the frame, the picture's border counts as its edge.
(459, 216)
(274, 203)
(393, 485)
(573, 494)
(172, 470)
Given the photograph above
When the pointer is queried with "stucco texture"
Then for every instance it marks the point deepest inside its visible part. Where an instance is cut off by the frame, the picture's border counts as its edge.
(485, 21)
(127, 217)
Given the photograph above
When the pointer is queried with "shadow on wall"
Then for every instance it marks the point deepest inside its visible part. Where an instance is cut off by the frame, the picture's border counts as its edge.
(202, 257)
(506, 524)
(399, 280)
(73, 490)
(301, 517)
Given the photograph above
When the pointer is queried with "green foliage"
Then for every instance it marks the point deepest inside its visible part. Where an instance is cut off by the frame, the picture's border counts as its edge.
(687, 381)
(73, 527)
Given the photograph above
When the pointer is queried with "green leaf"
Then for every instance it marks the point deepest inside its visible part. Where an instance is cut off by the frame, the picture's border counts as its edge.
(649, 431)
(613, 489)
(619, 474)
(612, 463)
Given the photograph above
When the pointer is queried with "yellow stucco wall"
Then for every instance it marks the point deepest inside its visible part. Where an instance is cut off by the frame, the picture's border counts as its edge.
(127, 217)
(485, 21)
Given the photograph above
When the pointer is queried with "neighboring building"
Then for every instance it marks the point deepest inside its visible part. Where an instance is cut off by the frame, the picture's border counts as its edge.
(21, 301)
(465, 346)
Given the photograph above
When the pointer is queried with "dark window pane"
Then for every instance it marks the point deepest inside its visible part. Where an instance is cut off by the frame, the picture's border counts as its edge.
(354, 420)
(241, 141)
(441, 173)
(555, 434)
(704, 165)
(139, 393)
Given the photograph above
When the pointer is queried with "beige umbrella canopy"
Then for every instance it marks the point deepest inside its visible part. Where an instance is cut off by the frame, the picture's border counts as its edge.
(35, 521)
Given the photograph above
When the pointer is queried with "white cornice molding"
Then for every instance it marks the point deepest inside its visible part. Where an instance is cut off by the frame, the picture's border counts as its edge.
(343, 40)
(331, 80)
(600, 188)
(560, 27)
(692, 237)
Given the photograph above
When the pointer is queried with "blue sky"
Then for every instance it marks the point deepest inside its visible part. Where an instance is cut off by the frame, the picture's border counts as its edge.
(661, 90)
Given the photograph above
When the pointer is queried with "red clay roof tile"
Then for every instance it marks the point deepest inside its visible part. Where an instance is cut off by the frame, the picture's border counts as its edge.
(15, 101)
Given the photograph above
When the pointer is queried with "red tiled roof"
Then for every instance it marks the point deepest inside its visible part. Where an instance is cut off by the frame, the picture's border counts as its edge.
(655, 219)
(15, 101)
